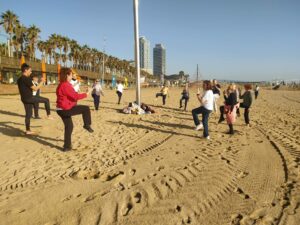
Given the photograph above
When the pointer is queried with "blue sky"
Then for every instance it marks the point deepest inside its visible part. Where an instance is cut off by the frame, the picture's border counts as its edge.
(229, 39)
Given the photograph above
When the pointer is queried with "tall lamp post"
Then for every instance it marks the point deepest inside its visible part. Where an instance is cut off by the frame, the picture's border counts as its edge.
(103, 62)
(137, 51)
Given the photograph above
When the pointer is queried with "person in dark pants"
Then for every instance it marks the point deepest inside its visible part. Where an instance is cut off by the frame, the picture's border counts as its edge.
(97, 90)
(184, 96)
(26, 87)
(36, 94)
(207, 105)
(164, 92)
(120, 89)
(67, 106)
(256, 91)
(247, 101)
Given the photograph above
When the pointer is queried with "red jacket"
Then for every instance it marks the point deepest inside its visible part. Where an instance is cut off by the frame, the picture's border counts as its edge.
(67, 97)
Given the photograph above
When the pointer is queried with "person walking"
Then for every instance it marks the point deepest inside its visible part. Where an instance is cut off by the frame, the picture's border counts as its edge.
(247, 101)
(119, 92)
(185, 95)
(26, 88)
(96, 92)
(67, 107)
(207, 105)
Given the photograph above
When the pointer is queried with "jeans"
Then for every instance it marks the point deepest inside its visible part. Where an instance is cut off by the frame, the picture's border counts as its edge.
(163, 97)
(66, 116)
(119, 96)
(205, 115)
(186, 99)
(29, 103)
(246, 113)
(96, 100)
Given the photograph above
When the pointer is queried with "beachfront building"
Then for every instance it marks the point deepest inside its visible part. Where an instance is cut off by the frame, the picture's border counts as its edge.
(145, 55)
(159, 61)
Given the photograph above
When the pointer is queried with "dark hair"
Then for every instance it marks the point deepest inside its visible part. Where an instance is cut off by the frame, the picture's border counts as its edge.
(64, 72)
(207, 84)
(25, 67)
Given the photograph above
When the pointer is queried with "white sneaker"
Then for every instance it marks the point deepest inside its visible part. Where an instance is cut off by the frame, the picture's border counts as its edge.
(208, 137)
(199, 127)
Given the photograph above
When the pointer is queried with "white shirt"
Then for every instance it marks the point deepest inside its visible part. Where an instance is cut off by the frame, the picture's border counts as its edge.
(120, 88)
(34, 92)
(97, 87)
(208, 99)
(75, 84)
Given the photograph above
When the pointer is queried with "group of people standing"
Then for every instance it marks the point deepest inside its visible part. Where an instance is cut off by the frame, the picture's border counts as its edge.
(67, 94)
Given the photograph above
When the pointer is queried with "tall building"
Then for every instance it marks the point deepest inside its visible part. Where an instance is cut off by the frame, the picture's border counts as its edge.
(159, 61)
(145, 54)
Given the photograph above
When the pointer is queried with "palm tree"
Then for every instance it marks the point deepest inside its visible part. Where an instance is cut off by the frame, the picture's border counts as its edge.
(32, 37)
(19, 38)
(42, 48)
(65, 43)
(9, 20)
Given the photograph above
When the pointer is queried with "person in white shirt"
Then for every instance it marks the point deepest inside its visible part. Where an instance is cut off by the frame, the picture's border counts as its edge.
(120, 89)
(97, 91)
(75, 82)
(207, 106)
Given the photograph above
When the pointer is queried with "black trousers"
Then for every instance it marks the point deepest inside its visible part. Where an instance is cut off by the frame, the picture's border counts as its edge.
(36, 105)
(96, 101)
(29, 103)
(66, 116)
(119, 96)
(186, 99)
(256, 94)
(163, 97)
(246, 113)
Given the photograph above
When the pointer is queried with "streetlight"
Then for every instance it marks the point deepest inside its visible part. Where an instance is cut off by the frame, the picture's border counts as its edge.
(137, 51)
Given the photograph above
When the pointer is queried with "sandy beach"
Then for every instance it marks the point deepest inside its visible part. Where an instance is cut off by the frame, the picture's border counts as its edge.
(152, 169)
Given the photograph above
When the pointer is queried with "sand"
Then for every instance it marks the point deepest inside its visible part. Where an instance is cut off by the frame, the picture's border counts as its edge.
(152, 169)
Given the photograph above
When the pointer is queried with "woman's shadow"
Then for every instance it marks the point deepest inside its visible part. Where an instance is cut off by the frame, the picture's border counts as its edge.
(11, 131)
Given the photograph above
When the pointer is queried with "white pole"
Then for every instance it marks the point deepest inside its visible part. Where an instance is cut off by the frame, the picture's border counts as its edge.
(137, 51)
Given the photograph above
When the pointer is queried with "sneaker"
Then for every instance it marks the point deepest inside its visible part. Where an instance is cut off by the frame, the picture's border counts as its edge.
(199, 127)
(88, 128)
(208, 137)
(29, 132)
(221, 120)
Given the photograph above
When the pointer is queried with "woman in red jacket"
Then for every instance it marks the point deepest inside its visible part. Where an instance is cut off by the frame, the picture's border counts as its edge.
(67, 107)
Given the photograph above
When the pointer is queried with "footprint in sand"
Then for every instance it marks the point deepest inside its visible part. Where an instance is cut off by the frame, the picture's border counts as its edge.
(241, 193)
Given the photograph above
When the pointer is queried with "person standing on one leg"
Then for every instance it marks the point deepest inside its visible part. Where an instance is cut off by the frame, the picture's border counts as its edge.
(120, 89)
(67, 107)
(247, 101)
(184, 96)
(207, 105)
(164, 92)
(26, 88)
(96, 92)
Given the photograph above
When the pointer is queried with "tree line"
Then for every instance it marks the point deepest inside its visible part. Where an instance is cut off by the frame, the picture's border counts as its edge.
(25, 41)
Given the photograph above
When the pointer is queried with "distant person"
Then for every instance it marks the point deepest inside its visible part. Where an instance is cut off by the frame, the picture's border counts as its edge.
(256, 91)
(120, 89)
(96, 92)
(36, 94)
(216, 89)
(164, 92)
(185, 95)
(207, 105)
(67, 107)
(230, 107)
(74, 81)
(247, 101)
(26, 87)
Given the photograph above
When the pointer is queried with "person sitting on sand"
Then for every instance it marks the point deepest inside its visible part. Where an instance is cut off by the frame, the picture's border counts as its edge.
(26, 87)
(164, 92)
(185, 95)
(247, 101)
(67, 107)
(207, 101)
